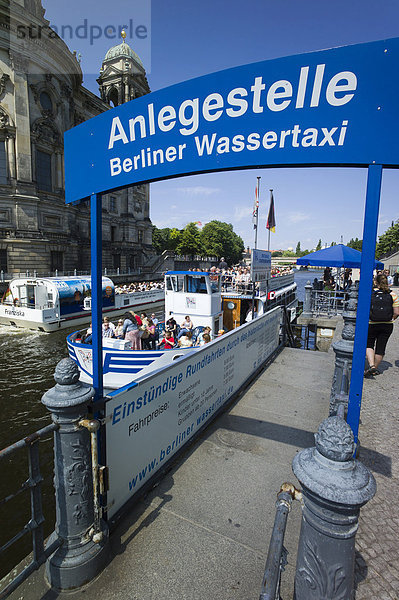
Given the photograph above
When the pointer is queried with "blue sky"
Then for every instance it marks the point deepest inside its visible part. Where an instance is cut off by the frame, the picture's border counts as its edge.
(179, 40)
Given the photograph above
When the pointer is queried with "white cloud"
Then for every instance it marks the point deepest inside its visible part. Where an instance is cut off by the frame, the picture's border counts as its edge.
(198, 190)
(242, 212)
(297, 217)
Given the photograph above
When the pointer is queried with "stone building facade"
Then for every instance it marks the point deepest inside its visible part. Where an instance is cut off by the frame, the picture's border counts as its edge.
(41, 96)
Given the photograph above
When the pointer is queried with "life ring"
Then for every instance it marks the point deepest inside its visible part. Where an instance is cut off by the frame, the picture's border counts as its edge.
(271, 295)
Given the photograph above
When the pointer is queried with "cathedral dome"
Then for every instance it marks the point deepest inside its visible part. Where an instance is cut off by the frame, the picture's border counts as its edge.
(123, 50)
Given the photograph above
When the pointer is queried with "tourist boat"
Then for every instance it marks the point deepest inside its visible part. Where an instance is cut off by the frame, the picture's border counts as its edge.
(53, 303)
(194, 293)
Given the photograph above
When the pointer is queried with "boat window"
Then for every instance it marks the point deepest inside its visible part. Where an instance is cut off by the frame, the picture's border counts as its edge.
(174, 283)
(215, 283)
(196, 285)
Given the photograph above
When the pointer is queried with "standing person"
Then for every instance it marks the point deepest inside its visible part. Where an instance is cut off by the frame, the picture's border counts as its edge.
(131, 330)
(154, 319)
(223, 264)
(145, 344)
(384, 310)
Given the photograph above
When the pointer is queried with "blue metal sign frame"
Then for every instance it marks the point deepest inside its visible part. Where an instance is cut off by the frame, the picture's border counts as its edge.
(335, 107)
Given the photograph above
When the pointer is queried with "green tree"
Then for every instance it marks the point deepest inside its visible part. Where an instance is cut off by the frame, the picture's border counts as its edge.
(174, 239)
(189, 240)
(318, 247)
(355, 243)
(298, 249)
(219, 239)
(160, 239)
(277, 253)
(388, 241)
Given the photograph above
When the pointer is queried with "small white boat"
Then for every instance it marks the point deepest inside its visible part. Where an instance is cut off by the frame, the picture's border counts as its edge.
(193, 293)
(186, 293)
(53, 303)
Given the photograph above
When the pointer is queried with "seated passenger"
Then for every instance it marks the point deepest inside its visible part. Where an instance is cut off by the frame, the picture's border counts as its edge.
(119, 330)
(185, 340)
(186, 326)
(151, 340)
(107, 331)
(206, 331)
(168, 340)
(206, 338)
(108, 325)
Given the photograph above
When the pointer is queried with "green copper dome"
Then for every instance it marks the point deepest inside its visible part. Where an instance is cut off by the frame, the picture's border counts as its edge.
(123, 50)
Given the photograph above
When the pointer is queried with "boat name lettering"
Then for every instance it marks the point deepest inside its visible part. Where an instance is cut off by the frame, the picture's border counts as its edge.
(14, 313)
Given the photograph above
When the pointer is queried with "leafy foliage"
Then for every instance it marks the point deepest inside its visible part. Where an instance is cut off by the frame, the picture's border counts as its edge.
(215, 239)
(189, 242)
(388, 241)
(318, 247)
(219, 239)
(356, 244)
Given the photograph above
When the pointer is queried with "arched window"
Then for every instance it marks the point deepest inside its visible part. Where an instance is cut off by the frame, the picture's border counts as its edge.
(46, 101)
(113, 97)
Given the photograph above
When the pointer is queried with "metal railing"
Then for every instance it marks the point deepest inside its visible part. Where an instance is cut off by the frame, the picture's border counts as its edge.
(35, 524)
(277, 554)
(329, 303)
(4, 276)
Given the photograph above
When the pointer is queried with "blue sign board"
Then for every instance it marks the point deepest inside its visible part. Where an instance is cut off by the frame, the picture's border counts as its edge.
(333, 107)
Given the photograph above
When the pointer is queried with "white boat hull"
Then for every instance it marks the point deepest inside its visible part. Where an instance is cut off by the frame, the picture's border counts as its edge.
(47, 320)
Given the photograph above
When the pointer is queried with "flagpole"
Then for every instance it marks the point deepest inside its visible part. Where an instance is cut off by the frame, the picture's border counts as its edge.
(257, 214)
(268, 239)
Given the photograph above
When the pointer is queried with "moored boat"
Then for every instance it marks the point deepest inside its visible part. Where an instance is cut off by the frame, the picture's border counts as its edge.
(193, 293)
(52, 303)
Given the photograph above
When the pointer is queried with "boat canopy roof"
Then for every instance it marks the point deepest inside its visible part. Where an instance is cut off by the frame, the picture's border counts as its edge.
(194, 273)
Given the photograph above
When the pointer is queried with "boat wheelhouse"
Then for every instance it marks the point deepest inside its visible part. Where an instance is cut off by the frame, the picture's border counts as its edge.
(52, 303)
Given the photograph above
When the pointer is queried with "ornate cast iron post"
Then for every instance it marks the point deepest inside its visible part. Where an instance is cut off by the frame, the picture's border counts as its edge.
(83, 552)
(334, 487)
(307, 305)
(343, 349)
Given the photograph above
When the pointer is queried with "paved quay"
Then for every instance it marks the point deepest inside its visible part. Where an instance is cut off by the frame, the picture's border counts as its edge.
(203, 531)
(377, 542)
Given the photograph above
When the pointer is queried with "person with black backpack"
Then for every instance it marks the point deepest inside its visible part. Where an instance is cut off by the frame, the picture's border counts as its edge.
(384, 309)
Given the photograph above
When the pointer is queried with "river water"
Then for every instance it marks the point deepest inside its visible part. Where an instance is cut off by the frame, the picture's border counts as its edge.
(27, 363)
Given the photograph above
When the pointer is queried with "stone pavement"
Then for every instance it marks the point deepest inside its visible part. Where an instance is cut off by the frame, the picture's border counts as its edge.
(377, 559)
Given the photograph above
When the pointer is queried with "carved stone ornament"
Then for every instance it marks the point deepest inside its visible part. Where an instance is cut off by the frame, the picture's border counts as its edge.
(3, 82)
(4, 119)
(323, 582)
(334, 439)
(46, 131)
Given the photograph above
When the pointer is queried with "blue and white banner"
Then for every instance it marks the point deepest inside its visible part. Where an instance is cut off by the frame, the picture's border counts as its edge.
(149, 423)
(333, 107)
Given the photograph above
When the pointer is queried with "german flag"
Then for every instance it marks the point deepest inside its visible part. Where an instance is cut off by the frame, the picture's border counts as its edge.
(271, 220)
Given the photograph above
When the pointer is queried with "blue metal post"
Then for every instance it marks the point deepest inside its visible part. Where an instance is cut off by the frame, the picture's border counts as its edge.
(96, 293)
(363, 309)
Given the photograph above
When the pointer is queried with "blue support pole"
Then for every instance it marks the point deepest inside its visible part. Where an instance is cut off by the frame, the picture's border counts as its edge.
(363, 309)
(96, 293)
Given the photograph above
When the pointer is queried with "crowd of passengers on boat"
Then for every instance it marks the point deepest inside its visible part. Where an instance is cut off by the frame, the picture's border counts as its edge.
(148, 333)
